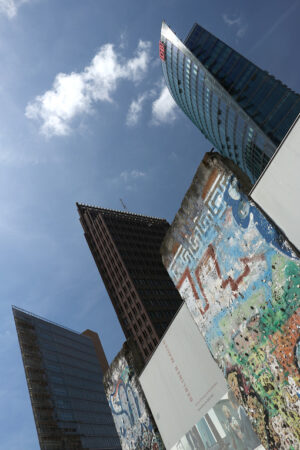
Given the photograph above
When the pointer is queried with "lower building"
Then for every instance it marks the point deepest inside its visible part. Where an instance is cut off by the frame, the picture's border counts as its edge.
(64, 377)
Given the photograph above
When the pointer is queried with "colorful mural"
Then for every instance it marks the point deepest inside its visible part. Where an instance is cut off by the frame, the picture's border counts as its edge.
(133, 420)
(241, 282)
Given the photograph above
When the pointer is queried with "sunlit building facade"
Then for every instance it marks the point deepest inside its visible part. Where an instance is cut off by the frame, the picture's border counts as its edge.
(64, 375)
(241, 109)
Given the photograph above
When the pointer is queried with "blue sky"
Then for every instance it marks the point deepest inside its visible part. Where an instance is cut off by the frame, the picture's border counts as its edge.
(85, 117)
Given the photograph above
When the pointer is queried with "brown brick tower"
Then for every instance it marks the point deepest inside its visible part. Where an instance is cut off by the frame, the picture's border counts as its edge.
(126, 249)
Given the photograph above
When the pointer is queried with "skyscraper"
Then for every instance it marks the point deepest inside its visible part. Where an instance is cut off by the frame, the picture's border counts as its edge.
(126, 249)
(243, 110)
(64, 378)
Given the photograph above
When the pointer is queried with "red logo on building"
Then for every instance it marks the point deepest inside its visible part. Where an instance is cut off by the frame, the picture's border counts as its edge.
(162, 51)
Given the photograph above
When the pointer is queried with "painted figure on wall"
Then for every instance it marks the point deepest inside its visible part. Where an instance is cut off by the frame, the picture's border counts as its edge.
(241, 282)
(132, 418)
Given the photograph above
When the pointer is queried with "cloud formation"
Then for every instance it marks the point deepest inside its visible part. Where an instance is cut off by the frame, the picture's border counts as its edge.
(10, 7)
(132, 175)
(236, 21)
(164, 108)
(135, 110)
(75, 94)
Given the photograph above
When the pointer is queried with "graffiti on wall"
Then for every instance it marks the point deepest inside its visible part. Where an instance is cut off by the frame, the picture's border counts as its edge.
(241, 282)
(133, 421)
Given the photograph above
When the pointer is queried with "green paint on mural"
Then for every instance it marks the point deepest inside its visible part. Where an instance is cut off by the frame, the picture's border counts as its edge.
(285, 295)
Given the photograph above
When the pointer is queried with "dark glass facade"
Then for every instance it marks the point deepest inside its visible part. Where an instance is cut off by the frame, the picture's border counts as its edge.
(243, 110)
(65, 384)
(126, 249)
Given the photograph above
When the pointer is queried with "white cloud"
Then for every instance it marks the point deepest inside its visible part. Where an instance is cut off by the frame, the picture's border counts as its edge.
(128, 179)
(123, 39)
(10, 7)
(132, 175)
(237, 22)
(231, 21)
(164, 108)
(135, 110)
(75, 93)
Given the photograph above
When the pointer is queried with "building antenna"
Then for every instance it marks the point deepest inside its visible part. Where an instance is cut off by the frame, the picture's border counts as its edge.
(123, 204)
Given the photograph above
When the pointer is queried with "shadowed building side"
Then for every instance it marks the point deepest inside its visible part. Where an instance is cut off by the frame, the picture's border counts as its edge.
(99, 349)
(126, 249)
(65, 384)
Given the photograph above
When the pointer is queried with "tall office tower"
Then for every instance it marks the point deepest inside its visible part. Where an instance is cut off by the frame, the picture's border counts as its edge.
(243, 110)
(64, 378)
(126, 249)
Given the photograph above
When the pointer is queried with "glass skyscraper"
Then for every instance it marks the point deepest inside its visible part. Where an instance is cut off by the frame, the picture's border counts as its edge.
(243, 110)
(64, 377)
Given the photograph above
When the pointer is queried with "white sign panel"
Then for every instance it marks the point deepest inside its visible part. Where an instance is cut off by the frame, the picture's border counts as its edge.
(277, 190)
(181, 381)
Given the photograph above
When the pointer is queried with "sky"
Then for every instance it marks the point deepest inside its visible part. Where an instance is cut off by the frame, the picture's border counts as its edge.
(85, 117)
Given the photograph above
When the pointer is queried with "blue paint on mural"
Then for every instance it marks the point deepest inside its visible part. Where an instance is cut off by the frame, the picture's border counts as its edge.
(132, 419)
(242, 209)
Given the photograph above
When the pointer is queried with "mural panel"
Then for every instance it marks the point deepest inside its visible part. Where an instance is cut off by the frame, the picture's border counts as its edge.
(241, 282)
(133, 420)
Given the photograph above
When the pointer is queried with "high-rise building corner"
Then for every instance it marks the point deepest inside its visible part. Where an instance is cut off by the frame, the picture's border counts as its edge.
(126, 250)
(241, 109)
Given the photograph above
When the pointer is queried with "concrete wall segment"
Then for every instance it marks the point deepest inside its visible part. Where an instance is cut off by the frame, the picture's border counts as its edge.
(193, 204)
(240, 279)
(132, 416)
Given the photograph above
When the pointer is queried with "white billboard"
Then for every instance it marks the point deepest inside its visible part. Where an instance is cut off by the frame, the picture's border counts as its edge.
(181, 381)
(277, 190)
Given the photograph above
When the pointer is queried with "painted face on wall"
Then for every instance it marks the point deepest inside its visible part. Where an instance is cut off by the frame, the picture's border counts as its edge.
(234, 386)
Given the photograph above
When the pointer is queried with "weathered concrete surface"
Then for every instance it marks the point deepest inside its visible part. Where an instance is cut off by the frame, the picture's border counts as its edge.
(133, 419)
(241, 282)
